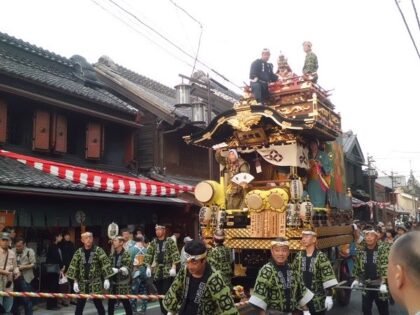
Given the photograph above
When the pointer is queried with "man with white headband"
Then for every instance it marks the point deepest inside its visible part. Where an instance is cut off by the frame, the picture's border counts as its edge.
(260, 75)
(371, 270)
(87, 268)
(233, 164)
(199, 289)
(317, 272)
(278, 288)
(220, 257)
(161, 259)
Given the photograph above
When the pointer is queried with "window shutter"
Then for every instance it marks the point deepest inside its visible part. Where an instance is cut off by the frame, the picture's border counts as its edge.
(3, 121)
(59, 134)
(41, 131)
(94, 141)
(129, 149)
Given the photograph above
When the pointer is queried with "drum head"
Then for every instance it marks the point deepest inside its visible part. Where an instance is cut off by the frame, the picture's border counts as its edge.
(254, 202)
(275, 200)
(204, 192)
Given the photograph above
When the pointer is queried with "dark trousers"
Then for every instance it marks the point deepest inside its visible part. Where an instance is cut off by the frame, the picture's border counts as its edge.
(260, 91)
(162, 287)
(126, 304)
(312, 309)
(81, 305)
(367, 302)
(52, 286)
(22, 286)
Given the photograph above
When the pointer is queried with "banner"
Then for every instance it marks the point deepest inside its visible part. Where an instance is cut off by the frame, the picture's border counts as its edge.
(286, 155)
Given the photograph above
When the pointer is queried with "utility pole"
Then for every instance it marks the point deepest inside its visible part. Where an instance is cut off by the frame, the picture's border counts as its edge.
(209, 111)
(372, 175)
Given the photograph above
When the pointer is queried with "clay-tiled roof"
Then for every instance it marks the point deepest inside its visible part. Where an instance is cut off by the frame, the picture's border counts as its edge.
(24, 61)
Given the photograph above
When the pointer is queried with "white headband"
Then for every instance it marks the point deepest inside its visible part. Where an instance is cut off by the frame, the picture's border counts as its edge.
(279, 243)
(195, 257)
(309, 233)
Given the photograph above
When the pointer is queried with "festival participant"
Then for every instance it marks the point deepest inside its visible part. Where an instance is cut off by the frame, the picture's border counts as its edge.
(233, 164)
(279, 289)
(220, 257)
(198, 289)
(161, 259)
(261, 74)
(120, 281)
(310, 66)
(404, 272)
(318, 273)
(371, 270)
(87, 268)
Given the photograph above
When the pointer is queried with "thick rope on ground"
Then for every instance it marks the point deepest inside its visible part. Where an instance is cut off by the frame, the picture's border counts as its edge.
(45, 295)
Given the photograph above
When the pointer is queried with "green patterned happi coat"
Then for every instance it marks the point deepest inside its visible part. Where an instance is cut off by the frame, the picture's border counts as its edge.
(323, 276)
(100, 267)
(121, 284)
(171, 257)
(216, 298)
(381, 256)
(220, 258)
(269, 290)
(311, 63)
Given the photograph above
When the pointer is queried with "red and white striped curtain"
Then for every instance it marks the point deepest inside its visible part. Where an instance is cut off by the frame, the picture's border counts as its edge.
(103, 181)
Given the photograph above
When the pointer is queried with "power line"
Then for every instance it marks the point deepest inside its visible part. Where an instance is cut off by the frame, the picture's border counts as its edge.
(171, 42)
(201, 31)
(408, 28)
(142, 34)
(415, 12)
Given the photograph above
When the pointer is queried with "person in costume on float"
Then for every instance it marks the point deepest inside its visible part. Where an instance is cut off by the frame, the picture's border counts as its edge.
(198, 289)
(371, 270)
(220, 257)
(279, 289)
(317, 272)
(87, 268)
(161, 259)
(233, 164)
(121, 281)
(318, 174)
(310, 66)
(260, 75)
(284, 72)
(404, 272)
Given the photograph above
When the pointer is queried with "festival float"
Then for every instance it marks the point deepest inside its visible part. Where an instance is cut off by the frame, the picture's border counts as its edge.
(287, 189)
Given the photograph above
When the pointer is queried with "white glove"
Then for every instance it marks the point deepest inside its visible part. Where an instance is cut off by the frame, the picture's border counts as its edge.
(355, 283)
(148, 272)
(76, 287)
(124, 271)
(383, 288)
(329, 303)
(306, 312)
(115, 270)
(106, 284)
(172, 272)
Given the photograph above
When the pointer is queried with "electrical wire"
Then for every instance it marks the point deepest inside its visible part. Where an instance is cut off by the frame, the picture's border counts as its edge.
(201, 32)
(142, 34)
(170, 42)
(408, 28)
(415, 12)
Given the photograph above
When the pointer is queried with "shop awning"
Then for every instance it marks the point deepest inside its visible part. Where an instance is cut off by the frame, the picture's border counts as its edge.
(99, 180)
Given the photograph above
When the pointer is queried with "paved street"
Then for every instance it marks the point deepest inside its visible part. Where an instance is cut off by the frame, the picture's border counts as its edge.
(354, 308)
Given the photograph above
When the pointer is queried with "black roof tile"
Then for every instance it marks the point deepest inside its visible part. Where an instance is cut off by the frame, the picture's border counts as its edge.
(16, 173)
(22, 60)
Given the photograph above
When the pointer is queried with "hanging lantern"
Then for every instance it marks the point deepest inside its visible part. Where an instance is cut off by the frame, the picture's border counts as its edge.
(296, 189)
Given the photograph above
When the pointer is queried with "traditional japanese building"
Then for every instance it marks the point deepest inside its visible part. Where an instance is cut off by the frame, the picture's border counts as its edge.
(71, 150)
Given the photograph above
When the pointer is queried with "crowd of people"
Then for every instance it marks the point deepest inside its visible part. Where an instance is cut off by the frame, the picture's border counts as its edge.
(199, 280)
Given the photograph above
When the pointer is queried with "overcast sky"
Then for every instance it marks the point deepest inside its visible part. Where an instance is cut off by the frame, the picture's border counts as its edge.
(365, 53)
